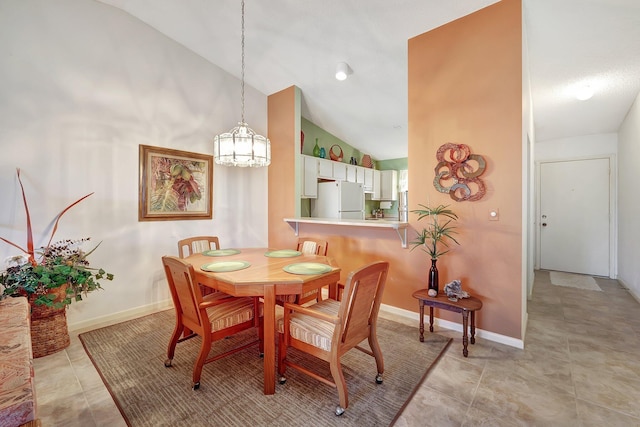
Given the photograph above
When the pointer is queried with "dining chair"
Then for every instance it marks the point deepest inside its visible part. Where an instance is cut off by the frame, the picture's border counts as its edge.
(212, 317)
(197, 244)
(308, 245)
(329, 328)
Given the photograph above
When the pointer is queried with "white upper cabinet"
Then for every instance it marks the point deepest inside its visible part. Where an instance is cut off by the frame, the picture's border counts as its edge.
(339, 171)
(376, 185)
(351, 173)
(389, 185)
(309, 177)
(325, 169)
(368, 180)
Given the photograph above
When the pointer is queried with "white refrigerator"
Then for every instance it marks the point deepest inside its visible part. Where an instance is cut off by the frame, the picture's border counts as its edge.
(339, 199)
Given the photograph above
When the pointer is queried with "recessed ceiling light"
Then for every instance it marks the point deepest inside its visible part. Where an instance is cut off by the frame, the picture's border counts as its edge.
(343, 71)
(583, 93)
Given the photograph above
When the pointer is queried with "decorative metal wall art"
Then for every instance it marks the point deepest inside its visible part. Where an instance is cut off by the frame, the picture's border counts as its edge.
(458, 171)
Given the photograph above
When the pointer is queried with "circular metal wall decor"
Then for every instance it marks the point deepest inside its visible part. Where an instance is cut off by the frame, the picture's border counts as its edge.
(458, 172)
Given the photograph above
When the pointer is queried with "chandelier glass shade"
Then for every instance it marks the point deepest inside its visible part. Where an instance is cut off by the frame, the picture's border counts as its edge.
(241, 146)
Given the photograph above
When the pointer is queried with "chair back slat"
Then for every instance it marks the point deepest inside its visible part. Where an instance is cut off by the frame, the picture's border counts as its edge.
(361, 301)
(197, 244)
(186, 295)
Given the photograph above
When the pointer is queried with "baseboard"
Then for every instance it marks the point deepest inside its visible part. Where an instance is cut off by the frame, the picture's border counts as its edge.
(121, 316)
(446, 324)
(628, 288)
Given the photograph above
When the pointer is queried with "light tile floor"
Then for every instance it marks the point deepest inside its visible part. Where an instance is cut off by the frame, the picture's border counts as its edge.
(579, 368)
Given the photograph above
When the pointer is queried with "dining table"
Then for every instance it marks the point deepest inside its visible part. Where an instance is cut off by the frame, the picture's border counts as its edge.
(265, 273)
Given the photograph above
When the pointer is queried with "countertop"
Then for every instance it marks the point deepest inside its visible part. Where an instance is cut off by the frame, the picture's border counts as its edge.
(378, 222)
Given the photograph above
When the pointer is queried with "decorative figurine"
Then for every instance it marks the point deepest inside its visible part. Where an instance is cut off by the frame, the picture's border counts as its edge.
(454, 290)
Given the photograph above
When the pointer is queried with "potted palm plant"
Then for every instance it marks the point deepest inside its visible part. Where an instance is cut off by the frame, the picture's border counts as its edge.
(51, 277)
(434, 239)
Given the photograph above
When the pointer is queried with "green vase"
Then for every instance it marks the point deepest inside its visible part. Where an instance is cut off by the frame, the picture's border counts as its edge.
(316, 149)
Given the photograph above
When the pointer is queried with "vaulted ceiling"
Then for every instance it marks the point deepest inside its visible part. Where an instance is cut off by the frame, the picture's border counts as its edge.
(570, 43)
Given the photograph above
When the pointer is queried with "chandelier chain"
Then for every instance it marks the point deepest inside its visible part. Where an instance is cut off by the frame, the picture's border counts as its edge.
(242, 72)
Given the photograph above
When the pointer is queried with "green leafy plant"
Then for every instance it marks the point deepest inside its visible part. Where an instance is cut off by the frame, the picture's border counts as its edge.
(434, 238)
(35, 272)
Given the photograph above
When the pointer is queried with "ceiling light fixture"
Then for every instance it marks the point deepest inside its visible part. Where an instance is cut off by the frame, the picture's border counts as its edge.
(343, 71)
(583, 93)
(241, 146)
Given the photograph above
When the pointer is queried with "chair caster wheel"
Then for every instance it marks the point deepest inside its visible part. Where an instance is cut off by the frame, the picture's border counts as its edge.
(339, 410)
(379, 379)
(196, 386)
(282, 380)
(167, 363)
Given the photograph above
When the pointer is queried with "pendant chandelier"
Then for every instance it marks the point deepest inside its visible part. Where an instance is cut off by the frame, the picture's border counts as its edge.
(241, 146)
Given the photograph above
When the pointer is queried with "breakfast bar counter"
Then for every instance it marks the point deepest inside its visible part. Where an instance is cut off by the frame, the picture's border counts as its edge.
(399, 226)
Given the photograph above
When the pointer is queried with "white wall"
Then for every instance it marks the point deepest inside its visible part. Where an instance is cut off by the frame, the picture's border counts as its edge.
(577, 147)
(82, 84)
(628, 205)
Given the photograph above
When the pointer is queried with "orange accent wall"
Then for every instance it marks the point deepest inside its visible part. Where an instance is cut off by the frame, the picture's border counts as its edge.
(464, 87)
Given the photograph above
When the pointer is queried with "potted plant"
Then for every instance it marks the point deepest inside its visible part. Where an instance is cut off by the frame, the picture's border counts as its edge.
(434, 239)
(51, 277)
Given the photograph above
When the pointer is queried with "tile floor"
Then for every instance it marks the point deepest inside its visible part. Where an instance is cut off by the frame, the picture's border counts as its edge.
(579, 368)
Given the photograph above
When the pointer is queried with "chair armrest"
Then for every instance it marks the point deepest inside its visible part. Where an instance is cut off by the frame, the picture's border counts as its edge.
(308, 311)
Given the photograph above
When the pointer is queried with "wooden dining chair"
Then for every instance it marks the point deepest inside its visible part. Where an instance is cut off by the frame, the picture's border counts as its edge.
(212, 317)
(308, 245)
(192, 245)
(329, 329)
(197, 244)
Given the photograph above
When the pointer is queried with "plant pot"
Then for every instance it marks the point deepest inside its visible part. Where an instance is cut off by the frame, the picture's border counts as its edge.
(49, 331)
(433, 276)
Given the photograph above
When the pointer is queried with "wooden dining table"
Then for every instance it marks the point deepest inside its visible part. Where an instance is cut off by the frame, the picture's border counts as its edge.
(265, 277)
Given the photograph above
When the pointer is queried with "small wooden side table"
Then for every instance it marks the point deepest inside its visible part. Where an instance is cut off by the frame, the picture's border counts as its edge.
(463, 305)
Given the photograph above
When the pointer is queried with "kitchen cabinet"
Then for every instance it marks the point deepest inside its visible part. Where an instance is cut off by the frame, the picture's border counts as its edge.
(376, 185)
(309, 177)
(325, 168)
(389, 185)
(368, 180)
(339, 171)
(360, 174)
(351, 173)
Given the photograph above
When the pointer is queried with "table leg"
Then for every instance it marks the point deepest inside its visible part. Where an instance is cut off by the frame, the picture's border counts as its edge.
(269, 339)
(333, 291)
(473, 327)
(421, 303)
(430, 319)
(465, 339)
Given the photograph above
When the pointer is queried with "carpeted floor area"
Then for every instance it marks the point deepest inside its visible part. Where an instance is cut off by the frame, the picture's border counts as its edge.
(130, 358)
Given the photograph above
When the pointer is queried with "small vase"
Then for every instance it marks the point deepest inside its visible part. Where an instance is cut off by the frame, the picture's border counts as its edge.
(316, 149)
(433, 275)
(323, 153)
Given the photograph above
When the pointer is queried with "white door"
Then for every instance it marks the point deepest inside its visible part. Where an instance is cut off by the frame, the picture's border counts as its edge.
(574, 216)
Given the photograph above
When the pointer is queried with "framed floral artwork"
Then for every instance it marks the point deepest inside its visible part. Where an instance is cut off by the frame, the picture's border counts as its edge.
(174, 185)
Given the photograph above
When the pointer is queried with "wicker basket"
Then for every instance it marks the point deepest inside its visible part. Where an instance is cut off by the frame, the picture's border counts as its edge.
(49, 332)
(338, 155)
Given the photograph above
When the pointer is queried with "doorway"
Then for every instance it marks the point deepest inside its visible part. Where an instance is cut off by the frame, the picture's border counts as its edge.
(575, 216)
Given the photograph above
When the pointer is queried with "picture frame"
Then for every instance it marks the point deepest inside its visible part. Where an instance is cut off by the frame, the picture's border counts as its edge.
(174, 185)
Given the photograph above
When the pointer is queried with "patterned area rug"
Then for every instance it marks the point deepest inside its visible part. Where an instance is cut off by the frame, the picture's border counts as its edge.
(570, 280)
(130, 358)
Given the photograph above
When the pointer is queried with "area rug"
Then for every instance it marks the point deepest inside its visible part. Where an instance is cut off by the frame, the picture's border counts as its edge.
(570, 280)
(130, 359)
